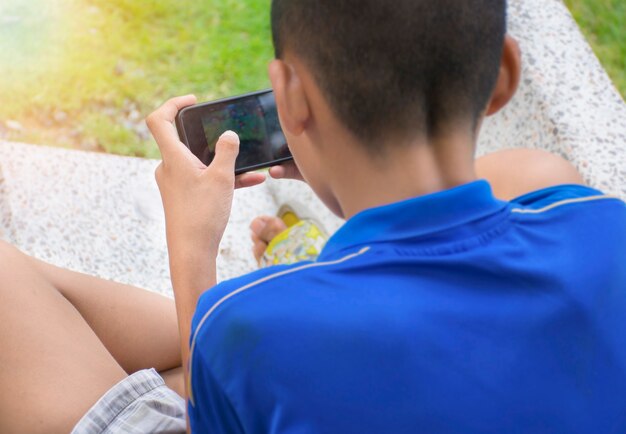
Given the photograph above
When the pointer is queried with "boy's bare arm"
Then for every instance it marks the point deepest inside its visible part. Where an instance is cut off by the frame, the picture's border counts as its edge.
(197, 201)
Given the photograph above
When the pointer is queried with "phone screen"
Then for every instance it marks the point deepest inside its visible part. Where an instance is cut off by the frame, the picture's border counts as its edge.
(252, 117)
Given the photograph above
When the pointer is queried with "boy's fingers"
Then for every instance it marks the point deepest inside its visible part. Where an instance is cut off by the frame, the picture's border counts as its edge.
(277, 172)
(161, 122)
(249, 180)
(226, 151)
(257, 225)
(286, 171)
(258, 248)
(272, 228)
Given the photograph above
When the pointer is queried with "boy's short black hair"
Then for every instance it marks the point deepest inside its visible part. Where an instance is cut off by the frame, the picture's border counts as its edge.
(397, 68)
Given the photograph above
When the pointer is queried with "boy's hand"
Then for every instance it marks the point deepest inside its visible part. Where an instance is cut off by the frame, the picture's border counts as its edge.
(286, 171)
(197, 199)
(263, 230)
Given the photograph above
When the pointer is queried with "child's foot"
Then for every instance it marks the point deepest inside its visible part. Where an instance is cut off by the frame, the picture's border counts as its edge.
(264, 230)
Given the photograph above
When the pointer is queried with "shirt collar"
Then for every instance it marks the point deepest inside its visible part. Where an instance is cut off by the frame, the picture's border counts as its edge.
(416, 217)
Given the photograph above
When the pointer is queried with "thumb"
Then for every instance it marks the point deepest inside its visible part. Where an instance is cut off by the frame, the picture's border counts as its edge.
(226, 151)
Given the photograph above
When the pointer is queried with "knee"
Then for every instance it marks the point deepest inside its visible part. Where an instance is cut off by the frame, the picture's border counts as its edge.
(9, 255)
(7, 249)
(515, 172)
(546, 166)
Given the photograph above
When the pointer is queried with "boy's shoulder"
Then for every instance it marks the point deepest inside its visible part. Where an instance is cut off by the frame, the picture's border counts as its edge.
(258, 299)
(222, 293)
(572, 229)
(215, 303)
(560, 196)
(572, 218)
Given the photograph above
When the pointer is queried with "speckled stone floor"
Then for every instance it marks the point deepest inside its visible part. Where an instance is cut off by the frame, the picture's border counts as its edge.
(101, 214)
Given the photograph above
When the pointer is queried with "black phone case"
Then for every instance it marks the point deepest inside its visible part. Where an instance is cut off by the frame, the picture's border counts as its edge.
(182, 135)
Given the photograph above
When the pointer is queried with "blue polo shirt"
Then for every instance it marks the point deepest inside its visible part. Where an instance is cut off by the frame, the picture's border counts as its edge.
(448, 313)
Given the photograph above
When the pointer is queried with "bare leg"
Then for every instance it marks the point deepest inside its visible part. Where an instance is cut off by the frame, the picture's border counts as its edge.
(138, 327)
(175, 380)
(67, 338)
(54, 367)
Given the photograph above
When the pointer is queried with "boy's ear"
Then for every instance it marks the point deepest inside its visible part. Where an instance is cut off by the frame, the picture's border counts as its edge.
(291, 100)
(509, 78)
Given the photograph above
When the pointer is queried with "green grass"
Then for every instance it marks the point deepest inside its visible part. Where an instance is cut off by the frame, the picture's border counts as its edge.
(604, 24)
(78, 70)
(84, 73)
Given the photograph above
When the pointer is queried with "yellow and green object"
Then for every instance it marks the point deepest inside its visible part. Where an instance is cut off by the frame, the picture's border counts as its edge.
(303, 240)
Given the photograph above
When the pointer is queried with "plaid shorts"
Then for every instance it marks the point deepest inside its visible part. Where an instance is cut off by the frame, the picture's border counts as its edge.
(141, 403)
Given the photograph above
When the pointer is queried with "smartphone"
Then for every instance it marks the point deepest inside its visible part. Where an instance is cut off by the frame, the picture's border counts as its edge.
(252, 116)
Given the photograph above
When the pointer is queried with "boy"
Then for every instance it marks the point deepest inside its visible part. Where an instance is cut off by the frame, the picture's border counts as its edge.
(436, 308)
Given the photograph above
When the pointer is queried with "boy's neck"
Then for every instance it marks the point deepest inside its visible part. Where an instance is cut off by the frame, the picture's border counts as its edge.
(357, 181)
(413, 170)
